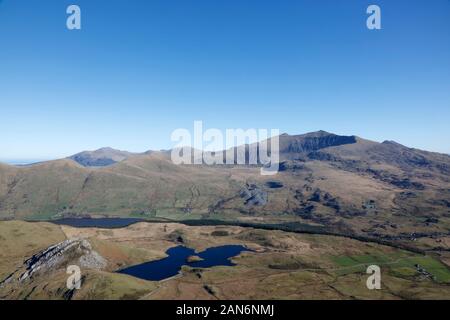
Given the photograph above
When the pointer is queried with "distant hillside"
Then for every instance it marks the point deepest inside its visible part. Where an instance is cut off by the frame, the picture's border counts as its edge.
(101, 157)
(344, 183)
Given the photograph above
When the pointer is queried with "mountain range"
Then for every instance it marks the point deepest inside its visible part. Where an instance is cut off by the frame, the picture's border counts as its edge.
(343, 184)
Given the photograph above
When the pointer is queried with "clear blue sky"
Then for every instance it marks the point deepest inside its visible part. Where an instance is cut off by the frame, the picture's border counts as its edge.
(139, 69)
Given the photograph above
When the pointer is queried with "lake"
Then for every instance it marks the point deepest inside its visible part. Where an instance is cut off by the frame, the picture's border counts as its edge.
(97, 222)
(177, 257)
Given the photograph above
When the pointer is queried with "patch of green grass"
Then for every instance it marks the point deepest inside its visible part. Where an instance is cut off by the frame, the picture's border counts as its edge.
(403, 272)
(431, 265)
(399, 265)
(373, 259)
(344, 261)
(40, 216)
(366, 259)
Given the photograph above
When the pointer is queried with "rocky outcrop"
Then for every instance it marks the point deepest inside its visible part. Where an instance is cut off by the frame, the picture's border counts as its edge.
(312, 142)
(253, 195)
(100, 158)
(77, 251)
(291, 166)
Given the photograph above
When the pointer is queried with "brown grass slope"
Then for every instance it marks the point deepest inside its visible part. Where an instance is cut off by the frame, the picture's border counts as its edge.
(283, 265)
(348, 184)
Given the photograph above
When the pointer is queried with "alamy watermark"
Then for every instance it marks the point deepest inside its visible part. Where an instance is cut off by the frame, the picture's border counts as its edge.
(232, 147)
(73, 21)
(74, 280)
(374, 20)
(374, 281)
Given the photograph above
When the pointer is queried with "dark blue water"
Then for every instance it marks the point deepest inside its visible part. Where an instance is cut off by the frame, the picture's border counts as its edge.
(177, 257)
(97, 222)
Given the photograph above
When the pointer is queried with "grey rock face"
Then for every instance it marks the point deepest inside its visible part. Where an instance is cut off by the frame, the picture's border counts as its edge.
(253, 195)
(92, 260)
(311, 142)
(100, 158)
(78, 251)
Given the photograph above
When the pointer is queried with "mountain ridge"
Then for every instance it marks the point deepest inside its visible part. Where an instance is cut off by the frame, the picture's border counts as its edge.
(345, 183)
(297, 143)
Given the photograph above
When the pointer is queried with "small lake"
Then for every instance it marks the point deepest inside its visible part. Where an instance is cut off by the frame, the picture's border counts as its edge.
(177, 257)
(97, 222)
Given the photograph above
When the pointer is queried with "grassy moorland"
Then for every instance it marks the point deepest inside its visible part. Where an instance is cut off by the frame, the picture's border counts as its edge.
(343, 184)
(283, 265)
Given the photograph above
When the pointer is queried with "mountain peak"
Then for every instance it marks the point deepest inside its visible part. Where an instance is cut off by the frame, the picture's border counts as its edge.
(101, 157)
(319, 133)
(312, 141)
(106, 149)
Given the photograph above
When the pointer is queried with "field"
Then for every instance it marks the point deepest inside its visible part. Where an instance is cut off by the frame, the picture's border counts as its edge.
(283, 265)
